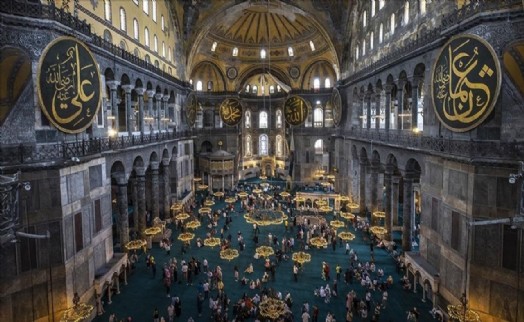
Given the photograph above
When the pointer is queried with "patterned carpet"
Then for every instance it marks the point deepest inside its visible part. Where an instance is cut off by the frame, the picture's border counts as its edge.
(146, 292)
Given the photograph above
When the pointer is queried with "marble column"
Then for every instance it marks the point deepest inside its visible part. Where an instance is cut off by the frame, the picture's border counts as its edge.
(414, 102)
(394, 199)
(141, 198)
(154, 190)
(129, 109)
(367, 99)
(150, 95)
(400, 105)
(387, 206)
(141, 123)
(158, 106)
(374, 170)
(406, 212)
(113, 99)
(122, 205)
(163, 114)
(134, 202)
(377, 110)
(363, 165)
(388, 106)
(166, 199)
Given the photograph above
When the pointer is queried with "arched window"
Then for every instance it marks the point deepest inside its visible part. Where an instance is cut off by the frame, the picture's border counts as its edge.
(364, 47)
(214, 46)
(318, 117)
(145, 6)
(262, 54)
(290, 51)
(247, 119)
(153, 9)
(210, 85)
(380, 33)
(381, 4)
(235, 52)
(107, 10)
(107, 36)
(392, 25)
(422, 7)
(136, 52)
(157, 64)
(248, 146)
(199, 86)
(123, 45)
(327, 83)
(316, 83)
(169, 54)
(262, 145)
(356, 52)
(163, 22)
(262, 120)
(271, 89)
(372, 8)
(279, 88)
(279, 146)
(146, 37)
(406, 12)
(163, 49)
(147, 59)
(247, 88)
(311, 45)
(123, 19)
(135, 29)
(155, 43)
(255, 89)
(364, 19)
(279, 119)
(319, 146)
(371, 41)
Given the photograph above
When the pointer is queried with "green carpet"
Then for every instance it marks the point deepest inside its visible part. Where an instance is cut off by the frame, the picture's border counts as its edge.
(143, 292)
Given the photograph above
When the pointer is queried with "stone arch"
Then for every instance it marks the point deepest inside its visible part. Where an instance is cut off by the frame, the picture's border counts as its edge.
(174, 151)
(153, 157)
(125, 80)
(149, 86)
(208, 71)
(321, 69)
(206, 146)
(138, 83)
(109, 74)
(258, 69)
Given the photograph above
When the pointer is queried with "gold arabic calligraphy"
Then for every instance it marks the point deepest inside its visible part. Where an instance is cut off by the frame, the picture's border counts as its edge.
(465, 83)
(295, 110)
(231, 111)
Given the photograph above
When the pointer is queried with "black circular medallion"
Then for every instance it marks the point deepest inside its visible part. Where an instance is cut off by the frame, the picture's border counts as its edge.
(296, 110)
(336, 105)
(191, 108)
(231, 111)
(232, 73)
(68, 85)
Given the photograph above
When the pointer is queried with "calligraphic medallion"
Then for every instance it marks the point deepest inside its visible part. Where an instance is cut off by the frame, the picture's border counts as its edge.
(191, 108)
(231, 111)
(68, 85)
(465, 82)
(296, 110)
(336, 106)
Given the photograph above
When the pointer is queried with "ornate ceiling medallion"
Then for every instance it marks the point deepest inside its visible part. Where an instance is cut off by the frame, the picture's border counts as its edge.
(232, 73)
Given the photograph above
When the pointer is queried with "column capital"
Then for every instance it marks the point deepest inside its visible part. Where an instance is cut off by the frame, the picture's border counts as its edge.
(388, 88)
(140, 171)
(395, 180)
(165, 98)
(159, 96)
(113, 84)
(140, 91)
(120, 178)
(150, 93)
(154, 165)
(165, 162)
(128, 88)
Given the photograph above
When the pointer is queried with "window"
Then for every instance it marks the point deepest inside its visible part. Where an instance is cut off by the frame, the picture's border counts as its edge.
(235, 52)
(157, 64)
(316, 83)
(319, 146)
(262, 54)
(147, 59)
(364, 47)
(356, 53)
(364, 19)
(318, 117)
(107, 10)
(327, 83)
(262, 121)
(371, 40)
(406, 12)
(248, 145)
(163, 23)
(155, 43)
(247, 88)
(279, 88)
(210, 85)
(392, 25)
(153, 9)
(279, 146)
(271, 89)
(279, 119)
(169, 54)
(123, 19)
(146, 37)
(262, 145)
(380, 33)
(145, 6)
(372, 8)
(107, 36)
(214, 46)
(136, 2)
(136, 52)
(199, 86)
(381, 4)
(311, 45)
(123, 45)
(247, 119)
(255, 89)
(422, 7)
(163, 49)
(290, 51)
(135, 29)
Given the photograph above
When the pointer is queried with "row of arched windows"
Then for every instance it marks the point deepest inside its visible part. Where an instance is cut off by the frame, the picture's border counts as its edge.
(263, 145)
